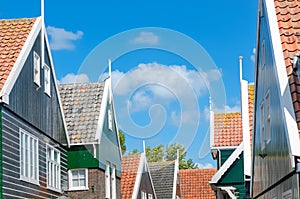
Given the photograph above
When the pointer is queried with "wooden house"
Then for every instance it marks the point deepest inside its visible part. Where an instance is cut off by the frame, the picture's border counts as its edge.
(276, 144)
(231, 135)
(136, 182)
(34, 142)
(166, 181)
(94, 157)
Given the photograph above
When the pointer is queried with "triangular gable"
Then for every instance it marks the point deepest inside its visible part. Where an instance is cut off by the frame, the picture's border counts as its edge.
(13, 71)
(227, 164)
(282, 65)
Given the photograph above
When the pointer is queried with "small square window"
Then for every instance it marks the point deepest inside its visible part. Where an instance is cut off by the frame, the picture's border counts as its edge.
(78, 179)
(36, 68)
(47, 79)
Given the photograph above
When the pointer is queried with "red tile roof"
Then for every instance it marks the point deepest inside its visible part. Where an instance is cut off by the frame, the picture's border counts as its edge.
(130, 165)
(13, 34)
(228, 129)
(288, 17)
(228, 126)
(194, 183)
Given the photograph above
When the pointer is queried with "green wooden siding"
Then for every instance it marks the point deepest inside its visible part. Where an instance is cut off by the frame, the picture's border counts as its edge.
(81, 157)
(225, 155)
(234, 176)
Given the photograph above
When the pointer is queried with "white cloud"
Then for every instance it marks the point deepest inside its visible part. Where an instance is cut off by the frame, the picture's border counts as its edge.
(72, 78)
(228, 109)
(205, 165)
(146, 38)
(190, 117)
(62, 39)
(252, 57)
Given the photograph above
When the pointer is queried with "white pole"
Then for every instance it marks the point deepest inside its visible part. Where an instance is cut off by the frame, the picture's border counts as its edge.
(42, 34)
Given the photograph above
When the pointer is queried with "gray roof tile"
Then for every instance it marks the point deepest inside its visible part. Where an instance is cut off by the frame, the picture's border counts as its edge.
(81, 104)
(162, 174)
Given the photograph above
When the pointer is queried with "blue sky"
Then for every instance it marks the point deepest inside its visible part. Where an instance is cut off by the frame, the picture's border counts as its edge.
(163, 76)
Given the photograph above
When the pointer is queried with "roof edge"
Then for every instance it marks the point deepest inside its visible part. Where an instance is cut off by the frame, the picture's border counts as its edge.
(227, 164)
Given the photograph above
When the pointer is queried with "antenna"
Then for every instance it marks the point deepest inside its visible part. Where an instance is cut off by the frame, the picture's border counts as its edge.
(241, 67)
(42, 32)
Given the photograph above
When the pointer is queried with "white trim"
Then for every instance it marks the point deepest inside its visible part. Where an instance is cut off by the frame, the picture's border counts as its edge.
(138, 176)
(224, 147)
(71, 188)
(56, 86)
(113, 182)
(229, 191)
(227, 164)
(116, 126)
(285, 99)
(176, 172)
(107, 180)
(80, 144)
(246, 127)
(19, 63)
(211, 125)
(102, 112)
(47, 86)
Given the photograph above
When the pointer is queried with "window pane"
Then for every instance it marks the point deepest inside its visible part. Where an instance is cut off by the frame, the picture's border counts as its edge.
(82, 174)
(75, 183)
(55, 156)
(82, 182)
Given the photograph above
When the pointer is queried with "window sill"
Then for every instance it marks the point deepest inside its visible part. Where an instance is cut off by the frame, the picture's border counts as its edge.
(78, 189)
(54, 189)
(36, 182)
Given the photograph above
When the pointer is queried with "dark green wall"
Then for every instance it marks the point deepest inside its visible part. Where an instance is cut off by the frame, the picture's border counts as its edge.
(81, 157)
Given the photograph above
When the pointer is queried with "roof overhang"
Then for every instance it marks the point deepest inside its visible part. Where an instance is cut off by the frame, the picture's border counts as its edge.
(227, 164)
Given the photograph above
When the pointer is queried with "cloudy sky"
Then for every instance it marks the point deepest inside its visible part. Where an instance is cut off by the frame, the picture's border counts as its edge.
(168, 58)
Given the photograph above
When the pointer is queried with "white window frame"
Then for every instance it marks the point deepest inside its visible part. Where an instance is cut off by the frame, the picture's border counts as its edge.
(29, 157)
(110, 123)
(113, 182)
(107, 180)
(47, 80)
(143, 195)
(71, 178)
(268, 118)
(262, 125)
(36, 69)
(150, 196)
(53, 169)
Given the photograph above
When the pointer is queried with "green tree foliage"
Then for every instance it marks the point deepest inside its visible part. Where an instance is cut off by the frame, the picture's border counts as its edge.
(171, 154)
(122, 142)
(134, 151)
(156, 154)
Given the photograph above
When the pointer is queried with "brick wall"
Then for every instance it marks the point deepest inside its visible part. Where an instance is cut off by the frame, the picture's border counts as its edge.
(96, 183)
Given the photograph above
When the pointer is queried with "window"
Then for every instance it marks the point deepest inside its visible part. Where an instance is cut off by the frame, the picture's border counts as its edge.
(262, 126)
(47, 79)
(107, 180)
(36, 68)
(53, 168)
(110, 120)
(113, 182)
(150, 196)
(268, 118)
(143, 195)
(78, 179)
(29, 158)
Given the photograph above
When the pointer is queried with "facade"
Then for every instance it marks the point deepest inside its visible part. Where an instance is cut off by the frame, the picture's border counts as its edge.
(166, 181)
(276, 145)
(94, 157)
(231, 135)
(136, 182)
(194, 183)
(34, 141)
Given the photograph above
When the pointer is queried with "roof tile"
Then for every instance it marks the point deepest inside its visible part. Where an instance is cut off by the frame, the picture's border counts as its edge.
(130, 166)
(10, 46)
(288, 18)
(194, 183)
(81, 104)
